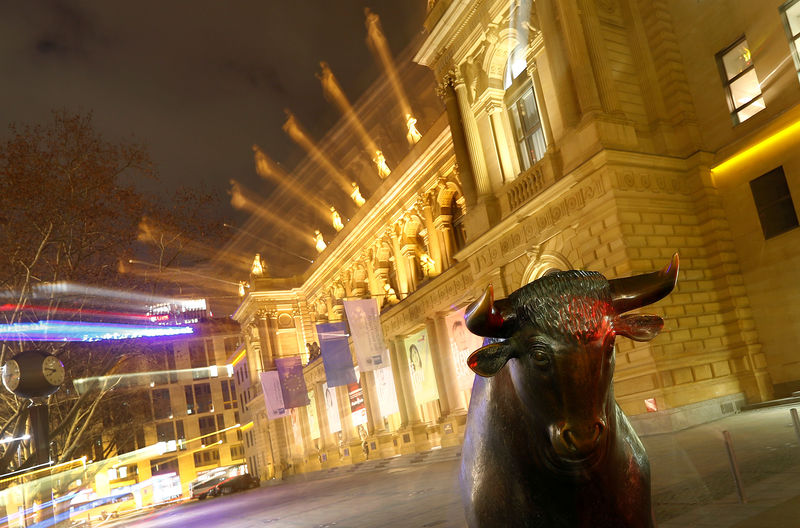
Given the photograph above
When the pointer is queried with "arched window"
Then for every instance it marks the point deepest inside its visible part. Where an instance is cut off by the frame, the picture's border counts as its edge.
(459, 233)
(523, 111)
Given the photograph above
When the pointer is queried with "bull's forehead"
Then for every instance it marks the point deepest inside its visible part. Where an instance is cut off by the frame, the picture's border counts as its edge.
(574, 303)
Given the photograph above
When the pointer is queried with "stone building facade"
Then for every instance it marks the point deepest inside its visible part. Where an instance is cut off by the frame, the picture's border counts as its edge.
(597, 134)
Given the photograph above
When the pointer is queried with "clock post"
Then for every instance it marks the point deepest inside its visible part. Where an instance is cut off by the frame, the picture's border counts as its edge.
(35, 374)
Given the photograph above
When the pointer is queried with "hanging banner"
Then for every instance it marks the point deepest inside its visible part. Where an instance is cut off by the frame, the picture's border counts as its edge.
(313, 424)
(421, 366)
(332, 408)
(387, 397)
(273, 396)
(358, 408)
(336, 358)
(364, 320)
(462, 344)
(293, 384)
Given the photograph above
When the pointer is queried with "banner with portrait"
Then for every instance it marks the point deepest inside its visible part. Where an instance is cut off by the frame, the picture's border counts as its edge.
(293, 384)
(273, 395)
(331, 408)
(364, 320)
(358, 408)
(420, 364)
(336, 358)
(462, 344)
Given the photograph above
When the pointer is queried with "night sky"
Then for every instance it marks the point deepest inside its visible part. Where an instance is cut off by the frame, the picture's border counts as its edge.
(199, 82)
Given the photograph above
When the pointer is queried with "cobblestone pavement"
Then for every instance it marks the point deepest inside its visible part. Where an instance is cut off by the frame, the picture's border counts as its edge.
(692, 486)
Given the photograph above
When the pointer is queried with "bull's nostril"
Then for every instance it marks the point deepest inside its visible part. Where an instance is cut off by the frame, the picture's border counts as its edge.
(599, 427)
(569, 440)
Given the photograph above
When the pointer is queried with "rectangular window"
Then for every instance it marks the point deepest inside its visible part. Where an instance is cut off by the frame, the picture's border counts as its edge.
(524, 114)
(741, 83)
(198, 359)
(228, 394)
(202, 398)
(774, 203)
(162, 408)
(180, 434)
(206, 457)
(237, 451)
(161, 466)
(791, 22)
(189, 399)
(165, 432)
(208, 427)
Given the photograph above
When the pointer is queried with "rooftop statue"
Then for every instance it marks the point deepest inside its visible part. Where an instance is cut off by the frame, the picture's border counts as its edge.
(546, 444)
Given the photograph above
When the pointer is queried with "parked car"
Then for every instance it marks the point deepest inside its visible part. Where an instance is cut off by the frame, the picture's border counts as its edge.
(233, 484)
(201, 489)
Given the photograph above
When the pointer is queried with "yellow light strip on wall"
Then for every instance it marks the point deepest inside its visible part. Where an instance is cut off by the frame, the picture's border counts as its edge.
(765, 143)
(239, 357)
(247, 426)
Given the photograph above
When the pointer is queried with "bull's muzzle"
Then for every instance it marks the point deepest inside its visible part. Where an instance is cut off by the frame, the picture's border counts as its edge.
(577, 441)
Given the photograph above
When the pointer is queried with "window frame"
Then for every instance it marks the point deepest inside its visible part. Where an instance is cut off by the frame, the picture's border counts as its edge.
(727, 83)
(764, 207)
(794, 39)
(512, 99)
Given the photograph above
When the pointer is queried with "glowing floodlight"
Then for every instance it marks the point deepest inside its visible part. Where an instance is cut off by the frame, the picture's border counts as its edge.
(81, 331)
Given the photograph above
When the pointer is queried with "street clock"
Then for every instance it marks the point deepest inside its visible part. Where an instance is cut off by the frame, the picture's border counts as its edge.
(33, 374)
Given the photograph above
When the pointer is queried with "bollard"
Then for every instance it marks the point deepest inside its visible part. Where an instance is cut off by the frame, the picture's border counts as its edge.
(737, 478)
(796, 421)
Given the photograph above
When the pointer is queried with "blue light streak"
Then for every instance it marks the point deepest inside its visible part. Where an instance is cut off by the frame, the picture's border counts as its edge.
(82, 331)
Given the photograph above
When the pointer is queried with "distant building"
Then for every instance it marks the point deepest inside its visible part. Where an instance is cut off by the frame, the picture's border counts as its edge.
(193, 415)
(603, 138)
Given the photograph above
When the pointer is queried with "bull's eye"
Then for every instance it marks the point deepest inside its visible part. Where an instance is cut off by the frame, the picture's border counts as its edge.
(540, 358)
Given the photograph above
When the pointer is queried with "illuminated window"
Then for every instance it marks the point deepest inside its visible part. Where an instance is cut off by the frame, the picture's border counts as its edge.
(741, 83)
(791, 22)
(774, 203)
(208, 429)
(523, 111)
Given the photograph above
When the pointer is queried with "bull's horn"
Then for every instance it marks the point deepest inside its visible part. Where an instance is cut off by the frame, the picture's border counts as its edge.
(489, 318)
(634, 292)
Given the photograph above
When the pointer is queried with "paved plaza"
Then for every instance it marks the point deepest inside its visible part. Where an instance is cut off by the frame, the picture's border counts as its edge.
(692, 486)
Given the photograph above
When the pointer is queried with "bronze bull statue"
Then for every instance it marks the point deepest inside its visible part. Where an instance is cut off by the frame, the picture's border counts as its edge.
(546, 444)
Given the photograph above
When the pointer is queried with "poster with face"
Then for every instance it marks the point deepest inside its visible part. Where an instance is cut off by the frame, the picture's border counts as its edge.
(331, 408)
(462, 344)
(357, 407)
(420, 364)
(313, 423)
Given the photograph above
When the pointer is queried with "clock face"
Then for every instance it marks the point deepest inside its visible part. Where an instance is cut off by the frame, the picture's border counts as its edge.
(11, 375)
(53, 371)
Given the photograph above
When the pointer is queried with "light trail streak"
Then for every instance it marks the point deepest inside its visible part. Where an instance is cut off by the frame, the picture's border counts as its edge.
(240, 201)
(380, 47)
(60, 331)
(183, 271)
(334, 93)
(295, 131)
(269, 170)
(71, 311)
(83, 385)
(265, 241)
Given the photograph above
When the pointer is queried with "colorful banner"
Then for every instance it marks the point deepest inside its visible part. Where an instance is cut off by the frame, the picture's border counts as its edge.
(462, 344)
(387, 396)
(293, 384)
(364, 320)
(419, 362)
(336, 358)
(358, 408)
(313, 424)
(273, 396)
(331, 408)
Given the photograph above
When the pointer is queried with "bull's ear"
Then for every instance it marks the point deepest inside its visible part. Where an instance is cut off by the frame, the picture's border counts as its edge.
(487, 361)
(638, 327)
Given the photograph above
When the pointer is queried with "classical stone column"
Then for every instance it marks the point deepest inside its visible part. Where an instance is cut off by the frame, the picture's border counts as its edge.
(472, 135)
(436, 357)
(446, 91)
(457, 401)
(443, 224)
(398, 385)
(265, 340)
(322, 417)
(504, 146)
(409, 252)
(374, 416)
(345, 415)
